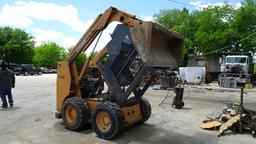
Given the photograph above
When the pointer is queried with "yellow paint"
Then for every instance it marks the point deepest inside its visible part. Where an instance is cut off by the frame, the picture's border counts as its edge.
(132, 114)
(63, 84)
(210, 124)
(92, 104)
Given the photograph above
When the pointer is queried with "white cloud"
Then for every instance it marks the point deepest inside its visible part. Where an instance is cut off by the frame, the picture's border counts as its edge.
(43, 35)
(238, 5)
(15, 20)
(147, 18)
(202, 4)
(104, 39)
(22, 13)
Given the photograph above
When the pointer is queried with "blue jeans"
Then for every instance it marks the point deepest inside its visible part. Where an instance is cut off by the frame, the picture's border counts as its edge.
(8, 93)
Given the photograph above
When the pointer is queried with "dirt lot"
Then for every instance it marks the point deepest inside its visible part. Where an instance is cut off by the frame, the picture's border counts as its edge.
(32, 120)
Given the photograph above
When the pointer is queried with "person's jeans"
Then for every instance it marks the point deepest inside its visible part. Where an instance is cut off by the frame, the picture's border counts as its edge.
(8, 93)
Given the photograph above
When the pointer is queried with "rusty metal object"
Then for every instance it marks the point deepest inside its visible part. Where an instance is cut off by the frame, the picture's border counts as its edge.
(227, 125)
(157, 46)
(235, 118)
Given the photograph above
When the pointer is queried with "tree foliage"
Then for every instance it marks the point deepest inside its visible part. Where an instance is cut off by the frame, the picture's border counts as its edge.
(48, 54)
(16, 45)
(80, 60)
(213, 30)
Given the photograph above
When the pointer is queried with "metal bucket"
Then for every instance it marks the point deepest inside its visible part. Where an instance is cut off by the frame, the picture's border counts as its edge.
(157, 46)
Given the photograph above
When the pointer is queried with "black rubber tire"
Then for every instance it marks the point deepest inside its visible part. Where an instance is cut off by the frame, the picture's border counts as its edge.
(179, 105)
(145, 110)
(116, 118)
(83, 114)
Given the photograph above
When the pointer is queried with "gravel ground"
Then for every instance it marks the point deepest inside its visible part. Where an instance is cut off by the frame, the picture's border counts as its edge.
(32, 120)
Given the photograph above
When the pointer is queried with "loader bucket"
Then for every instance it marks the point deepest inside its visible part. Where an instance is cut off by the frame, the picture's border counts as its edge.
(157, 46)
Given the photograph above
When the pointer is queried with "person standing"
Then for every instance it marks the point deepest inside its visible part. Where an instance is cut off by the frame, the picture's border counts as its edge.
(7, 82)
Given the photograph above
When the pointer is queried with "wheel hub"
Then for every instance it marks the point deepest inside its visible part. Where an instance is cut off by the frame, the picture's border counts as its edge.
(71, 114)
(103, 121)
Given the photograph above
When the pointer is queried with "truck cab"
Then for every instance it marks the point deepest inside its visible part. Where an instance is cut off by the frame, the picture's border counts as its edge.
(236, 64)
(236, 70)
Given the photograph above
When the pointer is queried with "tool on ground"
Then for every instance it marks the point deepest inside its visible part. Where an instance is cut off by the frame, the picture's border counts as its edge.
(177, 102)
(137, 47)
(178, 98)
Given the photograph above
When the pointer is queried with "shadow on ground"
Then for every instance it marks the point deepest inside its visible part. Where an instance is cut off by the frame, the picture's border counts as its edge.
(59, 126)
(9, 109)
(151, 134)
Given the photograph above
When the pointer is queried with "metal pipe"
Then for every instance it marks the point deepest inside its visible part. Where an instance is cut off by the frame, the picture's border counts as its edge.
(241, 110)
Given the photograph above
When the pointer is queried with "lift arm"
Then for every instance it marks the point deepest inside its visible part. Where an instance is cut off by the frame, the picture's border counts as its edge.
(97, 57)
(101, 22)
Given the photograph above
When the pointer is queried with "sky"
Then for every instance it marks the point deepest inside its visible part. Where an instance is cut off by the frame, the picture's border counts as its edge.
(65, 21)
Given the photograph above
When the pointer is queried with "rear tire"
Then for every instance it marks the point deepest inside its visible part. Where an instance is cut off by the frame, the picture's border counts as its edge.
(107, 120)
(145, 110)
(75, 113)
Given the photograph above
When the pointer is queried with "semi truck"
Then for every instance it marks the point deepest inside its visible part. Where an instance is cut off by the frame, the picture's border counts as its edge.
(236, 70)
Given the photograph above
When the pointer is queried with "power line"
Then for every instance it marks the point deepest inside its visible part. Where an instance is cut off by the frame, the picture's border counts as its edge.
(230, 44)
(185, 3)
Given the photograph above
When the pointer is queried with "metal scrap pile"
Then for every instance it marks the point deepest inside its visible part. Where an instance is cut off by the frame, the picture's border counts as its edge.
(235, 118)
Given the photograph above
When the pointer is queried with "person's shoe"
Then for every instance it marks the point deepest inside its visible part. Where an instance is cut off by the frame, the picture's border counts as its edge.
(4, 107)
(11, 105)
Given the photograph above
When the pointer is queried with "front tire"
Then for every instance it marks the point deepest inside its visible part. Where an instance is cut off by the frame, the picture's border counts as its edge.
(75, 114)
(107, 120)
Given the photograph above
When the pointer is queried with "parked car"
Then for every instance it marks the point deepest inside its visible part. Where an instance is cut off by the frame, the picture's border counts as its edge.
(54, 70)
(45, 70)
(26, 69)
(15, 68)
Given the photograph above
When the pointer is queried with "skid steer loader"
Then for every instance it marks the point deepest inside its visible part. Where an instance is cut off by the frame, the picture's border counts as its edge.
(136, 47)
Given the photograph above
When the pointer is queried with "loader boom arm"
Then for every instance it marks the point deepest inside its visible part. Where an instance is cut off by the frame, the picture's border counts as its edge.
(101, 22)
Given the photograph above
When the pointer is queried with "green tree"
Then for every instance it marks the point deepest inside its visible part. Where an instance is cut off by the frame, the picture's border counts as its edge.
(214, 30)
(245, 24)
(16, 45)
(48, 54)
(181, 21)
(80, 60)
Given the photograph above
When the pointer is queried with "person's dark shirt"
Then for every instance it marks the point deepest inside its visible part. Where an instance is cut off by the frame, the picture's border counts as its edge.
(7, 79)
